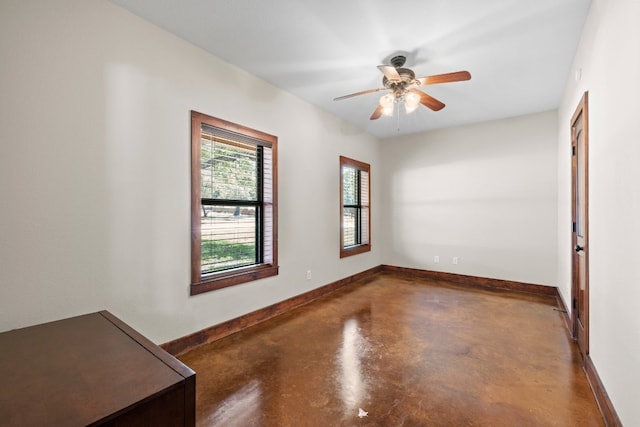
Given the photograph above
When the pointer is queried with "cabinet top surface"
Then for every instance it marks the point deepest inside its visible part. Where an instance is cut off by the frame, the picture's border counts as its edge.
(76, 371)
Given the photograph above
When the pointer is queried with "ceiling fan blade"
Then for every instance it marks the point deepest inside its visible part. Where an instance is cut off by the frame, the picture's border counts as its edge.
(458, 76)
(359, 93)
(429, 101)
(390, 72)
(377, 113)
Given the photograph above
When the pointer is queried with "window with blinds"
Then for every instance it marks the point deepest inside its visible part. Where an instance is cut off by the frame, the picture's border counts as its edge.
(233, 204)
(355, 211)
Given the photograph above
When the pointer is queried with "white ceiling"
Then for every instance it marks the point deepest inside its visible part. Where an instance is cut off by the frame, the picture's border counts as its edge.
(519, 52)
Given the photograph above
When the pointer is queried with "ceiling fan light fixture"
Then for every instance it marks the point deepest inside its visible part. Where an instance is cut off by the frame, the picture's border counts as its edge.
(386, 102)
(411, 102)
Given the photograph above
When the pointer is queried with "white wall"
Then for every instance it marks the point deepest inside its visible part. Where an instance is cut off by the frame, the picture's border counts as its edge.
(94, 172)
(484, 193)
(610, 64)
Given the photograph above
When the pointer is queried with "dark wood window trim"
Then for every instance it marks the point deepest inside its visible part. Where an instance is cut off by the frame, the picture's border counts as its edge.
(364, 201)
(203, 283)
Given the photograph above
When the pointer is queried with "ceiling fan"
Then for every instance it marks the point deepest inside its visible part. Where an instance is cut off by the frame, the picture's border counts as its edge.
(403, 85)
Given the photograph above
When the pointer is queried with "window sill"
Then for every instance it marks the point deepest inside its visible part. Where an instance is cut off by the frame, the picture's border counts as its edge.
(233, 277)
(354, 250)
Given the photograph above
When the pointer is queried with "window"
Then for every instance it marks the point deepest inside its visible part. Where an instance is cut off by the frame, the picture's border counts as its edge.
(355, 213)
(233, 204)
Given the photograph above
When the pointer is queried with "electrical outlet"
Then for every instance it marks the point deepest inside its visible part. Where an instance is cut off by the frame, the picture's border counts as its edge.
(308, 274)
(436, 259)
(455, 260)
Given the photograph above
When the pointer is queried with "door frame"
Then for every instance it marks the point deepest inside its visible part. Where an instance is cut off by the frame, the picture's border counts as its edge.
(582, 110)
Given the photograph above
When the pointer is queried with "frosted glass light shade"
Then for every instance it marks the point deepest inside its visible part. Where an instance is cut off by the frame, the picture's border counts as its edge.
(411, 102)
(387, 101)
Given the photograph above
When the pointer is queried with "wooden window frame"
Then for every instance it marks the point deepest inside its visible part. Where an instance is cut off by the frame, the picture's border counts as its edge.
(204, 283)
(363, 247)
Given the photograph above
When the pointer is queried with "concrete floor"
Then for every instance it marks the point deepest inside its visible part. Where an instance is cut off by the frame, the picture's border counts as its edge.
(399, 352)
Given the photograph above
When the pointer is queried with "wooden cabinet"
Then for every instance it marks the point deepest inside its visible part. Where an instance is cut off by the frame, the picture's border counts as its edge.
(91, 370)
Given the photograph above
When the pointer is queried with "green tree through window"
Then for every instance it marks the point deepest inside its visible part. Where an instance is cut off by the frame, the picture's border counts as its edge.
(231, 205)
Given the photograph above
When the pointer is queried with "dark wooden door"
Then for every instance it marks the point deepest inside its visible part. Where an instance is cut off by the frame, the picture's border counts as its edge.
(580, 214)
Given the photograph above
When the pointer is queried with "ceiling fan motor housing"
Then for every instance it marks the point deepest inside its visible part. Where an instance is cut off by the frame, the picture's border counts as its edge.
(407, 78)
(398, 61)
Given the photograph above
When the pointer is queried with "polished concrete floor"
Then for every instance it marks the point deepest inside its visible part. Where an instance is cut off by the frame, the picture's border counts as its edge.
(399, 352)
